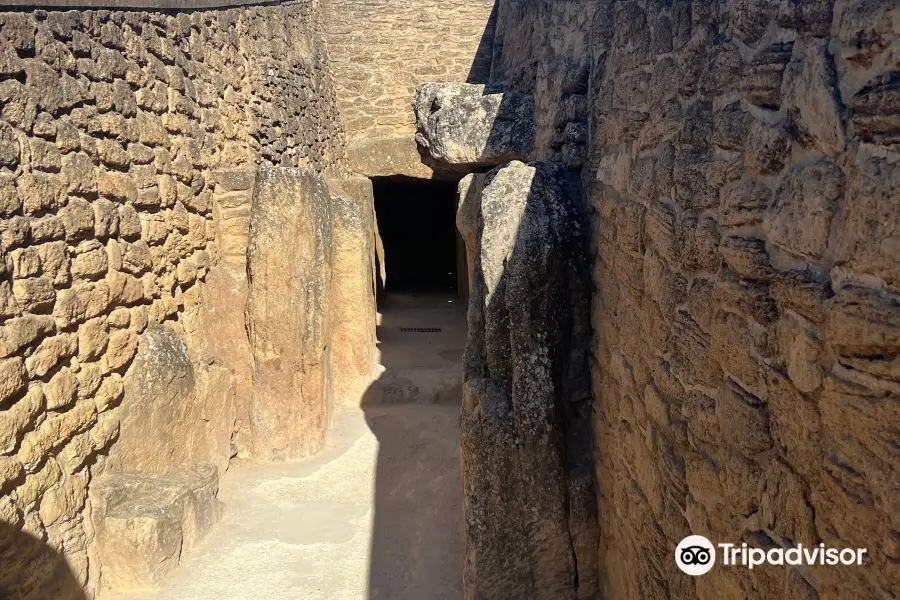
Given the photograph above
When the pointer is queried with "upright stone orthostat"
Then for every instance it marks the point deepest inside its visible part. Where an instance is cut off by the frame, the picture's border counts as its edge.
(288, 313)
(353, 287)
(528, 488)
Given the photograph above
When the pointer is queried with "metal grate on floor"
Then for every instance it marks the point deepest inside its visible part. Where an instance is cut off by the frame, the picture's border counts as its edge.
(420, 329)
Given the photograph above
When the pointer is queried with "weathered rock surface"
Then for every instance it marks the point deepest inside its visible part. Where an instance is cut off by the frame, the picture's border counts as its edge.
(529, 516)
(174, 412)
(388, 156)
(467, 125)
(467, 214)
(289, 264)
(143, 523)
(224, 294)
(742, 157)
(125, 140)
(353, 287)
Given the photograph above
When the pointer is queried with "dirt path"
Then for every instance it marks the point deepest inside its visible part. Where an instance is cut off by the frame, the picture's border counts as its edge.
(376, 516)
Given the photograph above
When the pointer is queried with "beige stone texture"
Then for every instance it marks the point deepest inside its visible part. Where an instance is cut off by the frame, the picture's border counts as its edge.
(174, 412)
(744, 271)
(529, 500)
(289, 266)
(112, 128)
(144, 523)
(380, 50)
(353, 309)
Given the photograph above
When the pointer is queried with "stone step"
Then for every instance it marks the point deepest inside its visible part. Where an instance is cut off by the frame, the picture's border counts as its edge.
(144, 522)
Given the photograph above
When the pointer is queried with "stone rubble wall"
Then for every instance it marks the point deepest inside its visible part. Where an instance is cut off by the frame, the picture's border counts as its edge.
(119, 136)
(743, 168)
(381, 50)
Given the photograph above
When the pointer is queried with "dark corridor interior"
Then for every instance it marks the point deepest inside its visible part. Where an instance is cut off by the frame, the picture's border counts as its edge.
(417, 223)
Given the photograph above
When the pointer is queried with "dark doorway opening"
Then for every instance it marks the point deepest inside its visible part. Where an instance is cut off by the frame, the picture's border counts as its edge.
(417, 224)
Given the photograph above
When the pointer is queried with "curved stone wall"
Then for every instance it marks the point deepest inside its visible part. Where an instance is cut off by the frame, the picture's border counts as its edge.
(119, 136)
(741, 163)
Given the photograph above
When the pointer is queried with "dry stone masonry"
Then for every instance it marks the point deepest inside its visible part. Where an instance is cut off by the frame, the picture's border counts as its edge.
(130, 143)
(380, 51)
(739, 162)
(739, 159)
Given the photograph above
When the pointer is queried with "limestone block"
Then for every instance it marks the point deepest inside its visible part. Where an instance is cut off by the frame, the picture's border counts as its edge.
(24, 331)
(77, 218)
(469, 124)
(124, 289)
(47, 228)
(10, 200)
(767, 148)
(34, 294)
(810, 90)
(117, 186)
(743, 419)
(143, 523)
(55, 261)
(9, 146)
(93, 336)
(106, 219)
(15, 232)
(805, 202)
(109, 392)
(352, 290)
(41, 192)
(467, 211)
(868, 240)
(385, 156)
(49, 352)
(89, 377)
(761, 84)
(746, 256)
(25, 262)
(16, 420)
(45, 155)
(129, 222)
(61, 389)
(288, 314)
(744, 203)
(89, 261)
(12, 378)
(525, 393)
(173, 412)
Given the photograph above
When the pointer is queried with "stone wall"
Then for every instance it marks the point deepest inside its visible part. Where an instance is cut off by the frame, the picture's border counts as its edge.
(381, 50)
(119, 136)
(741, 163)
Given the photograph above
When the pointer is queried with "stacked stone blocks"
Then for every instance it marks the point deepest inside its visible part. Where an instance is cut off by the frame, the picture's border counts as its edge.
(112, 126)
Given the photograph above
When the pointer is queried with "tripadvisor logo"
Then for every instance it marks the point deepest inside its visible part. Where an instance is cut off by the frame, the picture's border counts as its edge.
(696, 555)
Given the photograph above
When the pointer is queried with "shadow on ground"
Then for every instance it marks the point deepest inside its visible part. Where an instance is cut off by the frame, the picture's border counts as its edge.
(29, 568)
(417, 548)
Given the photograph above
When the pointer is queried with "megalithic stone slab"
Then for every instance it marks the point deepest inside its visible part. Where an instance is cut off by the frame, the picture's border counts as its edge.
(144, 522)
(353, 287)
(174, 411)
(469, 125)
(288, 314)
(530, 520)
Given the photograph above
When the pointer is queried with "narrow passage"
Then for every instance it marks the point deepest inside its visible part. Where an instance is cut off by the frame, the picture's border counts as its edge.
(377, 515)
